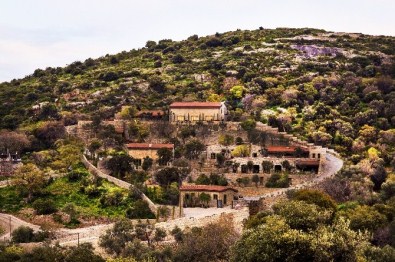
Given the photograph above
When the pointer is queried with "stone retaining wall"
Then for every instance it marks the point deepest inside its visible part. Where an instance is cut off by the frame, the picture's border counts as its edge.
(117, 182)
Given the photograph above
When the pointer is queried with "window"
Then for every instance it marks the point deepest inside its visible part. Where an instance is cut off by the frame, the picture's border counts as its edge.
(318, 156)
(313, 155)
(180, 118)
(215, 197)
(208, 118)
(254, 155)
(194, 118)
(212, 155)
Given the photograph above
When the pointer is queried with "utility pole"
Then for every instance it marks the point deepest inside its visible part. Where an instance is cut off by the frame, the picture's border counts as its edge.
(78, 241)
(10, 227)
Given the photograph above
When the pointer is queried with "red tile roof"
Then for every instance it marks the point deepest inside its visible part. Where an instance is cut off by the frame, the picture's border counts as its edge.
(308, 162)
(148, 146)
(206, 188)
(195, 105)
(282, 149)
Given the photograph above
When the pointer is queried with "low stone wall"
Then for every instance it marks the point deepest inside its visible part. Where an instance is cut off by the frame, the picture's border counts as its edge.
(117, 182)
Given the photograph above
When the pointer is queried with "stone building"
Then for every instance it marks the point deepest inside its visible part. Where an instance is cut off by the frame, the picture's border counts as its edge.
(220, 196)
(286, 151)
(139, 151)
(197, 111)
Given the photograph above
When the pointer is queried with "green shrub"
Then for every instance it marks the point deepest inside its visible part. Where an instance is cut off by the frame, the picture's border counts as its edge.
(140, 209)
(91, 190)
(76, 175)
(111, 199)
(278, 181)
(44, 206)
(22, 234)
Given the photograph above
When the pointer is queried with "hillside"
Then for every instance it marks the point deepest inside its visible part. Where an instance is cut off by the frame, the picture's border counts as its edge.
(330, 84)
(336, 90)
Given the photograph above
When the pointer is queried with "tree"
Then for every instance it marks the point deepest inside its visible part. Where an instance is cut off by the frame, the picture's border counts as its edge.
(82, 253)
(301, 215)
(140, 209)
(147, 163)
(70, 209)
(267, 166)
(278, 181)
(165, 155)
(187, 131)
(127, 112)
(255, 179)
(29, 179)
(248, 124)
(177, 233)
(48, 133)
(94, 146)
(178, 59)
(116, 238)
(120, 165)
(245, 181)
(212, 242)
(226, 140)
(220, 159)
(49, 112)
(22, 234)
(44, 206)
(241, 151)
(237, 92)
(316, 197)
(203, 179)
(239, 140)
(13, 141)
(160, 234)
(69, 155)
(157, 84)
(364, 218)
(275, 240)
(204, 199)
(168, 175)
(193, 149)
(388, 187)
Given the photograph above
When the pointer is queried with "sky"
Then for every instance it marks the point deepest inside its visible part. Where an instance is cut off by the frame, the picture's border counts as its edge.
(50, 33)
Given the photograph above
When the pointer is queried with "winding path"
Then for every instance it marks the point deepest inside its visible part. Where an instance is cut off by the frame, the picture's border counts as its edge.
(91, 234)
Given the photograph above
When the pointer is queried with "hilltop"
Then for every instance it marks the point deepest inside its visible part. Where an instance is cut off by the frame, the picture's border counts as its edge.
(287, 96)
(314, 73)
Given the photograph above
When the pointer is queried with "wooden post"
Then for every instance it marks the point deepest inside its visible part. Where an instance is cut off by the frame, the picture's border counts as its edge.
(10, 227)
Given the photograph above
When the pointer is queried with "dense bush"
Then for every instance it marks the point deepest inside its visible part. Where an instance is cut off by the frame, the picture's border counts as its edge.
(139, 209)
(44, 206)
(25, 234)
(278, 181)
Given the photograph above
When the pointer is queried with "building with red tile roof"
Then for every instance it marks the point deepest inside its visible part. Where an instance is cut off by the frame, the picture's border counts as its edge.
(197, 111)
(219, 195)
(139, 151)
